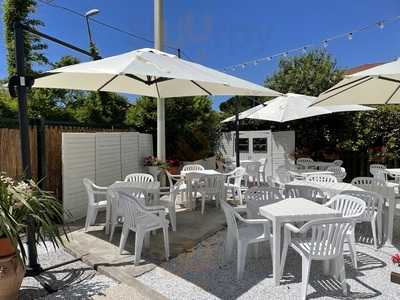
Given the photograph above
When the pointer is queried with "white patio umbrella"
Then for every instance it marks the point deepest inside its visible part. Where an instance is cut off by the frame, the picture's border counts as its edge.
(149, 72)
(291, 107)
(378, 85)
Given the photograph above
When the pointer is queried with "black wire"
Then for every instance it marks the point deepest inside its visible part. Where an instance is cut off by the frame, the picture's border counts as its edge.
(134, 35)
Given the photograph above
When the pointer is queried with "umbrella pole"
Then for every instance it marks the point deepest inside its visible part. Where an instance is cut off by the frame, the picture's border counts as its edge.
(237, 125)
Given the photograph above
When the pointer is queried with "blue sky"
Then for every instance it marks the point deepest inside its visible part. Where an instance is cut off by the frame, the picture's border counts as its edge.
(222, 33)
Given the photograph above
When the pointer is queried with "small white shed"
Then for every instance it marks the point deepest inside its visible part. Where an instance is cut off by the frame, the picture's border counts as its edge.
(276, 146)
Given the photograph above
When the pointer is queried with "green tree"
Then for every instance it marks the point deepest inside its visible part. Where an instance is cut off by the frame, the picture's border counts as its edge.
(22, 10)
(191, 125)
(309, 74)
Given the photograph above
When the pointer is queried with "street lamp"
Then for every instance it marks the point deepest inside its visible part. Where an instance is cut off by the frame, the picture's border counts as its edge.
(89, 14)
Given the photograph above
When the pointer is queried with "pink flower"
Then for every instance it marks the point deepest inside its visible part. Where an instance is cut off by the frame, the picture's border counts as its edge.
(396, 258)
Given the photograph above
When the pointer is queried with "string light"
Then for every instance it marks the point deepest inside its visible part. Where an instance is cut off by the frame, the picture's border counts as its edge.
(325, 42)
(350, 36)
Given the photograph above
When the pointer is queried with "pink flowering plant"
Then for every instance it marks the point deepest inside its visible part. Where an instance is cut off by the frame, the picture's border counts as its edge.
(396, 258)
(152, 161)
(18, 199)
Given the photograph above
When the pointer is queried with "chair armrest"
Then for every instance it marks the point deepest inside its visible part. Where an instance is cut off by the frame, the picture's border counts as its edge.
(240, 209)
(251, 221)
(292, 228)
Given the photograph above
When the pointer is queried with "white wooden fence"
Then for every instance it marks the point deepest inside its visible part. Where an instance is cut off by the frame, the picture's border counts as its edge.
(101, 157)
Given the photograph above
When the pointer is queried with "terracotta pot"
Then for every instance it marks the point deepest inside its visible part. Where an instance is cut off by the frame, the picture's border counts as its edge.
(6, 247)
(12, 273)
(173, 170)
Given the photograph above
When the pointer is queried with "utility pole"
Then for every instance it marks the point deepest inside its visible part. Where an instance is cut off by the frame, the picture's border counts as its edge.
(159, 45)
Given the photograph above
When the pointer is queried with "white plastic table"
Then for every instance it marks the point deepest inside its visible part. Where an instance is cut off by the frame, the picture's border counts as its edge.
(288, 211)
(304, 173)
(205, 172)
(152, 188)
(330, 189)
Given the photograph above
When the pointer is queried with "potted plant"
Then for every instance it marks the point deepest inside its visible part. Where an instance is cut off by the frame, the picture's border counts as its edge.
(19, 199)
(173, 166)
(394, 276)
(154, 165)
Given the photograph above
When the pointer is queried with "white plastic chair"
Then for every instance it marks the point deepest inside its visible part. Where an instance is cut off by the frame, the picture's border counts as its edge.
(371, 184)
(338, 162)
(139, 177)
(212, 187)
(258, 196)
(263, 169)
(282, 176)
(307, 192)
(338, 172)
(373, 211)
(93, 205)
(117, 211)
(351, 208)
(378, 171)
(321, 178)
(228, 164)
(252, 172)
(169, 202)
(325, 242)
(248, 231)
(306, 162)
(142, 220)
(192, 181)
(234, 183)
(177, 180)
(195, 167)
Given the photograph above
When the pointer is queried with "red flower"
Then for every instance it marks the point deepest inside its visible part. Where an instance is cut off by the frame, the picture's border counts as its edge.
(396, 258)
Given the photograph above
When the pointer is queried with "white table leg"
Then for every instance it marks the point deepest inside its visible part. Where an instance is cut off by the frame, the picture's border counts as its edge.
(108, 214)
(392, 207)
(276, 252)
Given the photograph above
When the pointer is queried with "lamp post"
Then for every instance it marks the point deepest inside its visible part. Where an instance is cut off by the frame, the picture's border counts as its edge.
(89, 14)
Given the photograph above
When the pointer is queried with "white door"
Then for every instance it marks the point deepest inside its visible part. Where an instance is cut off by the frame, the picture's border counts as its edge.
(255, 145)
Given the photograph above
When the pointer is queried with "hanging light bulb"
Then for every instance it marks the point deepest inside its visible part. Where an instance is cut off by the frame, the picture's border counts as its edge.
(243, 66)
(381, 24)
(325, 43)
(269, 58)
(350, 36)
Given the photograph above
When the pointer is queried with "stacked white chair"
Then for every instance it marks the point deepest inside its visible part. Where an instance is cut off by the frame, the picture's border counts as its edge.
(139, 177)
(306, 162)
(176, 181)
(211, 187)
(351, 208)
(321, 178)
(338, 172)
(378, 171)
(373, 211)
(142, 220)
(307, 192)
(234, 182)
(193, 168)
(243, 232)
(94, 205)
(256, 197)
(252, 172)
(324, 242)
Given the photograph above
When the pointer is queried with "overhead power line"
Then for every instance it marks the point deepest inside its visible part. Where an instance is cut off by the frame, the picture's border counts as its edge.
(303, 49)
(110, 26)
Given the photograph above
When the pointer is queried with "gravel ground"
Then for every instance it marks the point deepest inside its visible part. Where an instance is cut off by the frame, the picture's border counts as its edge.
(74, 281)
(201, 274)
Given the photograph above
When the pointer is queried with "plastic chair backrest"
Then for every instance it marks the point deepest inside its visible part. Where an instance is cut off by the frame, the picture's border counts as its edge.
(89, 189)
(305, 161)
(321, 178)
(230, 219)
(378, 171)
(338, 172)
(349, 206)
(303, 191)
(193, 167)
(373, 202)
(139, 177)
(258, 196)
(327, 236)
